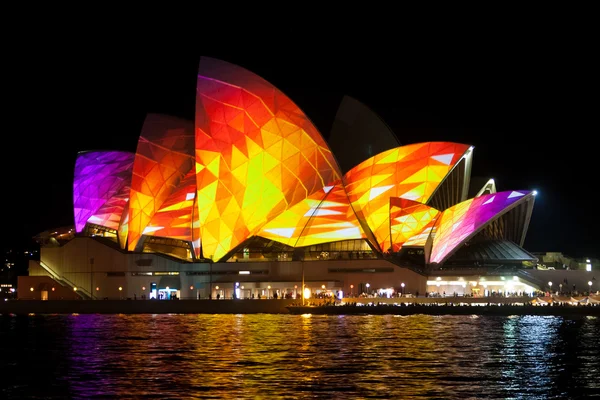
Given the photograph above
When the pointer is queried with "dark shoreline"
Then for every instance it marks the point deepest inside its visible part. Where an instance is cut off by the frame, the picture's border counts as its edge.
(26, 307)
(500, 310)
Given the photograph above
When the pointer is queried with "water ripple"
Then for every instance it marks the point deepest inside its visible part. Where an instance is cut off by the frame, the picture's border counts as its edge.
(286, 356)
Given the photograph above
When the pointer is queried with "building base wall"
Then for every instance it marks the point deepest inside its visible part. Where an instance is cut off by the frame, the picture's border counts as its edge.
(102, 272)
(43, 288)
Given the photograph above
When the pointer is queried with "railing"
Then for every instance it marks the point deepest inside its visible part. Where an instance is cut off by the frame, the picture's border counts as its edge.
(62, 280)
(54, 275)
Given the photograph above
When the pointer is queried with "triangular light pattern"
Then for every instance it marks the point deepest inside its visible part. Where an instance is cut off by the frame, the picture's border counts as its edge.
(316, 220)
(460, 222)
(99, 176)
(175, 217)
(408, 220)
(165, 154)
(257, 156)
(110, 214)
(411, 172)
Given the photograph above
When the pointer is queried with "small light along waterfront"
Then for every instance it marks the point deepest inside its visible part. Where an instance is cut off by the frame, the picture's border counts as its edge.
(563, 306)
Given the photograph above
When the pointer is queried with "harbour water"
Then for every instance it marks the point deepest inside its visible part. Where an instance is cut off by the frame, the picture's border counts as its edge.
(298, 356)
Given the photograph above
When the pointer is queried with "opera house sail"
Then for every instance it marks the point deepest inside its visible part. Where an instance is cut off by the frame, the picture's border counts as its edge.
(252, 179)
(254, 166)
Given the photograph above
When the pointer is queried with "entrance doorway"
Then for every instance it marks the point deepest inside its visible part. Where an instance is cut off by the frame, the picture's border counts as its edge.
(167, 294)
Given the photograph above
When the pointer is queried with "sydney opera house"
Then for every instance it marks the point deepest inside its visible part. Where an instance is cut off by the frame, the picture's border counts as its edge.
(250, 198)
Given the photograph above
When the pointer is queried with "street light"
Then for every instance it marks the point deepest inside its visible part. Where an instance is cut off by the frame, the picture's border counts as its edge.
(402, 284)
(550, 284)
(590, 285)
(368, 285)
(351, 290)
(268, 291)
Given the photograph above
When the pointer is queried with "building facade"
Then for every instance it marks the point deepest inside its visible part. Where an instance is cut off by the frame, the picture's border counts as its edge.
(249, 200)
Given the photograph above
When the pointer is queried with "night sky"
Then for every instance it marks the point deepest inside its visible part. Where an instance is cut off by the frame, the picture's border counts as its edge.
(523, 109)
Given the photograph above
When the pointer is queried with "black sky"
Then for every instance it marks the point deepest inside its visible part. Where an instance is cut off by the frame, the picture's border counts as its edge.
(524, 105)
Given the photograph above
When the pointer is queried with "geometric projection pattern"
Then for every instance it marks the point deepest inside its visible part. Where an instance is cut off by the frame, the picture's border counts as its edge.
(123, 230)
(257, 155)
(409, 220)
(419, 240)
(460, 222)
(99, 175)
(322, 218)
(164, 156)
(174, 218)
(110, 214)
(410, 172)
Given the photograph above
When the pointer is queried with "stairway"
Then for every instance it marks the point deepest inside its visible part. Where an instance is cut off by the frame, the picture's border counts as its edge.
(85, 295)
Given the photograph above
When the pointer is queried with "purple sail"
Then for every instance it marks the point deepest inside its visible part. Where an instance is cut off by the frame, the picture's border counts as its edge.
(99, 175)
(460, 222)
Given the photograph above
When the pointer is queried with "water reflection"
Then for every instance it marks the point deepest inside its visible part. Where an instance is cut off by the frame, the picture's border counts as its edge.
(283, 356)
